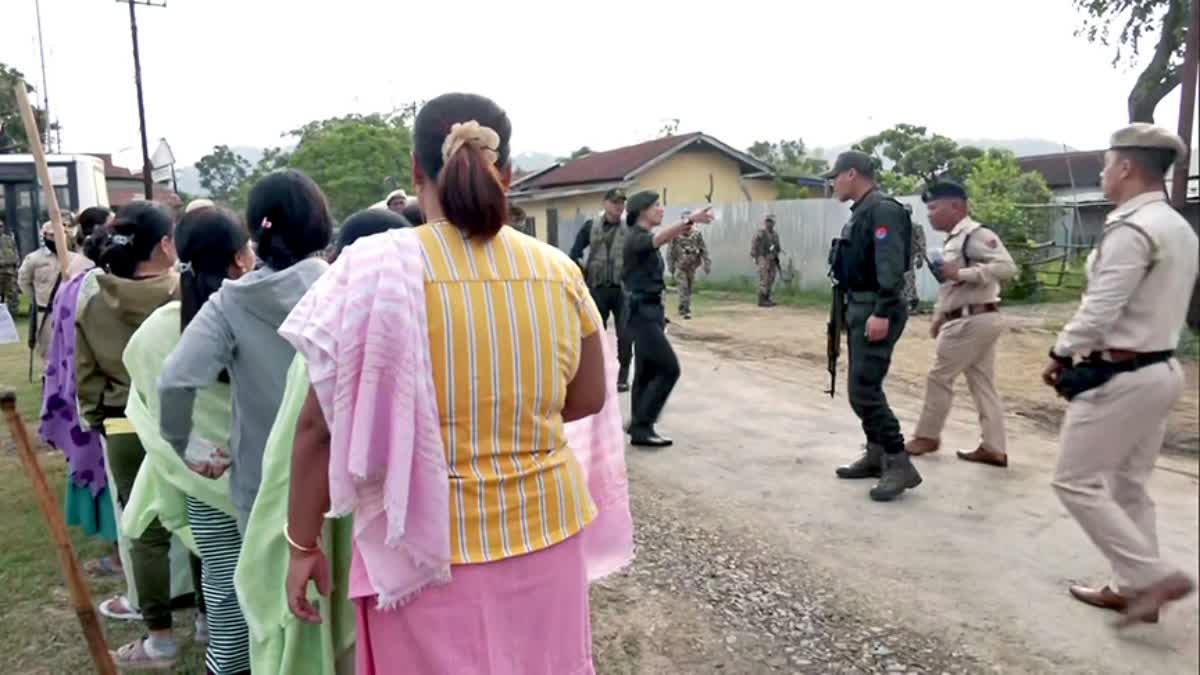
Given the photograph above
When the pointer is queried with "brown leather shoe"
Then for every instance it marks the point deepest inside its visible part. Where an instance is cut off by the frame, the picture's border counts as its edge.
(1106, 598)
(1145, 605)
(982, 455)
(921, 446)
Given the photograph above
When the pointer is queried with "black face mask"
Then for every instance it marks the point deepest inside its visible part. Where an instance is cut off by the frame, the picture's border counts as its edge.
(50, 245)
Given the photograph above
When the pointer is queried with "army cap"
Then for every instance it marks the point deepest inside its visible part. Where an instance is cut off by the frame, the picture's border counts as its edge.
(614, 195)
(1148, 137)
(851, 159)
(770, 218)
(944, 189)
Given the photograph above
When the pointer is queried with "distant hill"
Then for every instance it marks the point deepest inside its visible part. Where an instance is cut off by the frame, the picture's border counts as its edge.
(533, 161)
(189, 179)
(1021, 147)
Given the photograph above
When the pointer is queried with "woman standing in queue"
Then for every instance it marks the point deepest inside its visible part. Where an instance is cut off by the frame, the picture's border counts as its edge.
(655, 367)
(186, 493)
(503, 346)
(138, 255)
(235, 330)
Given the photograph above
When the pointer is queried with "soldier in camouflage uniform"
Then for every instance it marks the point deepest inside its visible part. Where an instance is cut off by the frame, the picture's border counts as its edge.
(911, 298)
(765, 251)
(10, 258)
(686, 254)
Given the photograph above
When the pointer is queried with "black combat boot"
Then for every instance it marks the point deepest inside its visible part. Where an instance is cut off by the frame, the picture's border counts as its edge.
(899, 475)
(763, 301)
(870, 465)
(767, 301)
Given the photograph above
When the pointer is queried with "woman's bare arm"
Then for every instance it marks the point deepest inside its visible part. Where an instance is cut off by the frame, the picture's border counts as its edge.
(585, 393)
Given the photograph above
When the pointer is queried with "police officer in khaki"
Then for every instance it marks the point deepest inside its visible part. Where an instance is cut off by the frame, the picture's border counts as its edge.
(966, 325)
(1114, 362)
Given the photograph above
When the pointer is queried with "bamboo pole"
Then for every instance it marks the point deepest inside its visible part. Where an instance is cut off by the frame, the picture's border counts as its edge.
(48, 505)
(43, 172)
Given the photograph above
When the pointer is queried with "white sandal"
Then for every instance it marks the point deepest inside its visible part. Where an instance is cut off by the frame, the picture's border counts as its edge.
(117, 608)
(136, 656)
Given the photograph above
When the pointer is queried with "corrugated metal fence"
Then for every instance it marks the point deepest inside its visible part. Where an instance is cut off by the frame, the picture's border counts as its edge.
(806, 228)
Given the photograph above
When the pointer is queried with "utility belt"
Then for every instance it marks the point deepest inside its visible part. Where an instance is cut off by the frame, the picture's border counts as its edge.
(645, 298)
(43, 309)
(605, 285)
(862, 297)
(1099, 367)
(970, 310)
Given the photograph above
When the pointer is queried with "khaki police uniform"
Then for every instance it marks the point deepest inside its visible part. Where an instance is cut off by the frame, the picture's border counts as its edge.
(971, 326)
(1142, 270)
(37, 277)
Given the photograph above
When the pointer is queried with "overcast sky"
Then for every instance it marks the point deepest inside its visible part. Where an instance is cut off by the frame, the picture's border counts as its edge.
(602, 74)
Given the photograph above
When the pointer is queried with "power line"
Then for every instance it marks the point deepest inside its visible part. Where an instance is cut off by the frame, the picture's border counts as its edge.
(147, 179)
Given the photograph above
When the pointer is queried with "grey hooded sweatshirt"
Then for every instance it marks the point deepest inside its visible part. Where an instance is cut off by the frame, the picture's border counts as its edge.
(236, 330)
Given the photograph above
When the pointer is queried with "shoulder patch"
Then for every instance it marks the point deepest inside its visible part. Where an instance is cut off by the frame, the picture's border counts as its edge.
(881, 232)
(992, 242)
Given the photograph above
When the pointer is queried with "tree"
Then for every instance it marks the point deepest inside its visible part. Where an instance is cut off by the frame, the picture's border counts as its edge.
(670, 127)
(789, 159)
(222, 172)
(916, 157)
(12, 130)
(271, 159)
(351, 157)
(1138, 19)
(1017, 205)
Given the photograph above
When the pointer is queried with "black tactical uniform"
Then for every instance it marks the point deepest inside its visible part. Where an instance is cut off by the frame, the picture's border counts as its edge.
(870, 259)
(656, 369)
(603, 269)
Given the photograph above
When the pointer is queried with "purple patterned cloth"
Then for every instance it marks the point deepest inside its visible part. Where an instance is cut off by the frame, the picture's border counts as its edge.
(60, 411)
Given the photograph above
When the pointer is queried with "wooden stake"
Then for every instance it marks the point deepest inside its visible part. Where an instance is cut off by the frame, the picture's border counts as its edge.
(43, 172)
(48, 505)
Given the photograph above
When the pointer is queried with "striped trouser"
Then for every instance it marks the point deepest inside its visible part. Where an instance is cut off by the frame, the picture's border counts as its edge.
(217, 537)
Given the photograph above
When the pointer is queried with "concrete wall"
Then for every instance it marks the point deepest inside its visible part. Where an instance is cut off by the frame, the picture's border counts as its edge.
(806, 228)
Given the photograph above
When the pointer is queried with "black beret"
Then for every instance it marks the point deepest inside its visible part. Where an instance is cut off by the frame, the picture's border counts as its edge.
(945, 189)
(641, 201)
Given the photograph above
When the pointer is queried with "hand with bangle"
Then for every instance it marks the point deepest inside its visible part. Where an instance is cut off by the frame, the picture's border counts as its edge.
(307, 562)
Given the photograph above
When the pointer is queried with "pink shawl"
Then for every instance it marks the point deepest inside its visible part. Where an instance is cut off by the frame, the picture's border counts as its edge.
(363, 330)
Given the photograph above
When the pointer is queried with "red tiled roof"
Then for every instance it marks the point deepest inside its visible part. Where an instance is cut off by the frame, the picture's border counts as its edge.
(611, 165)
(121, 196)
(1085, 168)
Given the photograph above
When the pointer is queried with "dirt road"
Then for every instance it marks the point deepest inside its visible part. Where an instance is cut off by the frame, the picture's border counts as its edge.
(754, 558)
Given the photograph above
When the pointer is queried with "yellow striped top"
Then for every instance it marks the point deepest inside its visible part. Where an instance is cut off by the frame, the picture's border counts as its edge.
(506, 317)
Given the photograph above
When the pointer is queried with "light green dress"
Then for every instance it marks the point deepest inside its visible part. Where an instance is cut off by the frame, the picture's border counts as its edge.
(164, 480)
(279, 642)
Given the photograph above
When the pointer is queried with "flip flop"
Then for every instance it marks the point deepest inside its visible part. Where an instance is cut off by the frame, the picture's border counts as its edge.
(135, 656)
(117, 608)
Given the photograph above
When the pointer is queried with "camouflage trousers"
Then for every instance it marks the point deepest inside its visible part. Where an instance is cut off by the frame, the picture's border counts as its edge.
(911, 300)
(685, 279)
(9, 293)
(766, 275)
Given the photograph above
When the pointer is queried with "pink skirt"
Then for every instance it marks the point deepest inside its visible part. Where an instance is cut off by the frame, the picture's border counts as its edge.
(519, 616)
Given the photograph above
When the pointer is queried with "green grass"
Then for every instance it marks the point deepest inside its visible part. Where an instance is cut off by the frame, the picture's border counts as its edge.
(746, 289)
(39, 631)
(1189, 345)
